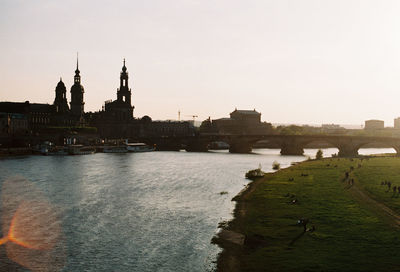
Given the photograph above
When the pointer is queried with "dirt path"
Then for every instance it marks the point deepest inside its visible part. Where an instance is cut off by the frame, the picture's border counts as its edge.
(362, 196)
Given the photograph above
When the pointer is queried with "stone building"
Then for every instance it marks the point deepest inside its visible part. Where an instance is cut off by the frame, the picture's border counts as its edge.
(121, 110)
(116, 120)
(397, 123)
(25, 119)
(374, 124)
(240, 122)
(77, 103)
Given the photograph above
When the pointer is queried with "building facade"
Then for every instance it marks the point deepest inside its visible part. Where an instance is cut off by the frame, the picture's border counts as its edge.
(121, 110)
(240, 122)
(374, 124)
(397, 123)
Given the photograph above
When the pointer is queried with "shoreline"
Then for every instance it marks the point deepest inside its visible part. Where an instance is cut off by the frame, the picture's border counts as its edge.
(237, 246)
(15, 151)
(228, 239)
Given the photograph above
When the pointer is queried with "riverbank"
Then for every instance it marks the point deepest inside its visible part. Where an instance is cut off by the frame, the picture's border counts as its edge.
(15, 151)
(354, 216)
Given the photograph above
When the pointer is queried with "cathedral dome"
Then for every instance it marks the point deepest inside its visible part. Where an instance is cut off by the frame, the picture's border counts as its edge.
(61, 84)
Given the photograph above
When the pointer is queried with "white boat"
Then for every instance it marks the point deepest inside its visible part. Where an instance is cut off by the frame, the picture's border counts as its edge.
(115, 149)
(57, 150)
(80, 150)
(139, 147)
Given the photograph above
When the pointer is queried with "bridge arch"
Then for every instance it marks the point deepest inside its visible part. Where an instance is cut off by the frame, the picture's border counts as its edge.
(387, 144)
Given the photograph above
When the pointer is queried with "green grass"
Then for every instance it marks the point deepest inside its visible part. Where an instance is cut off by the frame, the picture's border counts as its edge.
(376, 170)
(349, 236)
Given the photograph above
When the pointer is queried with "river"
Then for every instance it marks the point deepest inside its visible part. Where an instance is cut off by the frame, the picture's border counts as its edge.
(153, 211)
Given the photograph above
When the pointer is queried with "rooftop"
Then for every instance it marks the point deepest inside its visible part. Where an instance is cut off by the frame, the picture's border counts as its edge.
(250, 112)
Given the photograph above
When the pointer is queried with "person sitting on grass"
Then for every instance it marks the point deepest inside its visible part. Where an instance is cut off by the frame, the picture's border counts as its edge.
(312, 229)
(304, 222)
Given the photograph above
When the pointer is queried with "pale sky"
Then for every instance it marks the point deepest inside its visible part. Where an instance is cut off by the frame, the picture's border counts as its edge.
(294, 61)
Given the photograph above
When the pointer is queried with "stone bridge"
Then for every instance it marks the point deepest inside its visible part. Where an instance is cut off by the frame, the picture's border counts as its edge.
(348, 146)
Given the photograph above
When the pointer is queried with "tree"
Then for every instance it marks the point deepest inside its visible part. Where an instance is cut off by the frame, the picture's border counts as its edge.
(319, 155)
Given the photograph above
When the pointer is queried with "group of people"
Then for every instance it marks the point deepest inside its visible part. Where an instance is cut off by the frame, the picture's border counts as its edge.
(389, 185)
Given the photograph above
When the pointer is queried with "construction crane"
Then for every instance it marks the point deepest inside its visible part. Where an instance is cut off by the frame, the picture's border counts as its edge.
(193, 116)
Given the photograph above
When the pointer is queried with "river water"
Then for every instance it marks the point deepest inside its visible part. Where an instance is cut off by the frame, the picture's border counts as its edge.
(153, 211)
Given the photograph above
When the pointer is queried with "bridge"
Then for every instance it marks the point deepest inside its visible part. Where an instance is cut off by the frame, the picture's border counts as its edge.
(348, 146)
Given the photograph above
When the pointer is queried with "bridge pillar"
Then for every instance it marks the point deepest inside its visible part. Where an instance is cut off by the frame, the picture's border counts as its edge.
(348, 150)
(397, 148)
(240, 147)
(292, 149)
(168, 145)
(197, 146)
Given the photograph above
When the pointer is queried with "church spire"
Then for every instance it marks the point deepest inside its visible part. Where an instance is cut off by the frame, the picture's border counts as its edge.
(77, 103)
(77, 77)
(124, 67)
(77, 64)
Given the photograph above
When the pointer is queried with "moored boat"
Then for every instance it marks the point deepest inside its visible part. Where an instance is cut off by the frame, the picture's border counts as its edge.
(115, 149)
(57, 150)
(139, 147)
(81, 150)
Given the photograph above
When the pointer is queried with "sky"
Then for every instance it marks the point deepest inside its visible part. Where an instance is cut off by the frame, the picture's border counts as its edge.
(304, 62)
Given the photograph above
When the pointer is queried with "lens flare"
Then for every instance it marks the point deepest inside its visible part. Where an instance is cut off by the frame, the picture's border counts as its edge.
(33, 227)
(3, 240)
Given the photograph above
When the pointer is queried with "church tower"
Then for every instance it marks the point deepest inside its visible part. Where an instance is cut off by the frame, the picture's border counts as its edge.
(77, 104)
(124, 93)
(61, 98)
(121, 110)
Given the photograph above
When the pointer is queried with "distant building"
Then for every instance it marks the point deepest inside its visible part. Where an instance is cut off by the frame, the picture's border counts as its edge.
(116, 119)
(374, 124)
(60, 101)
(122, 108)
(332, 129)
(37, 115)
(168, 128)
(330, 126)
(77, 103)
(25, 119)
(397, 123)
(240, 122)
(13, 124)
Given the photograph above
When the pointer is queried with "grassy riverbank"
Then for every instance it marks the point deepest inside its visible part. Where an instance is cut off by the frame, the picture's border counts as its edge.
(356, 223)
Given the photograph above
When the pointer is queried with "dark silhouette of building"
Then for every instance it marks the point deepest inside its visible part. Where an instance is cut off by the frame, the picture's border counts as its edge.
(25, 119)
(240, 122)
(77, 91)
(122, 108)
(116, 120)
(60, 102)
